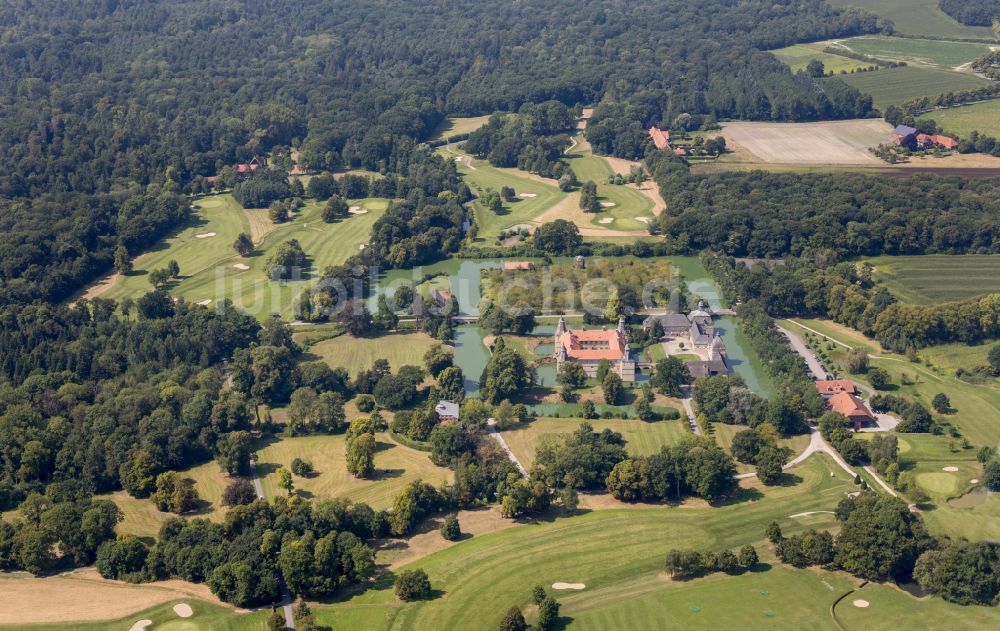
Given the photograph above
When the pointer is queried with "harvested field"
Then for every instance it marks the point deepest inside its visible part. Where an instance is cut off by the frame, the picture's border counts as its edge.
(835, 142)
(82, 596)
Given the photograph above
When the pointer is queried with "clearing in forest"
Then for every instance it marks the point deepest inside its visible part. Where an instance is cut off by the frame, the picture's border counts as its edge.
(895, 86)
(933, 278)
(825, 143)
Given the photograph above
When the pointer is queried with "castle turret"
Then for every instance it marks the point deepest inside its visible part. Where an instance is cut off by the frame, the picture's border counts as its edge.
(560, 329)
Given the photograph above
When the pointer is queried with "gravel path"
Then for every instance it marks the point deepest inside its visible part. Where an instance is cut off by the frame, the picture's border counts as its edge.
(491, 424)
(689, 410)
(286, 596)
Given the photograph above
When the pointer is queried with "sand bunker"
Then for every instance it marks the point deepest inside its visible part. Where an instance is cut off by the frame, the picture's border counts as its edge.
(608, 204)
(361, 247)
(606, 220)
(183, 610)
(204, 235)
(973, 481)
(205, 302)
(528, 195)
(949, 469)
(241, 266)
(357, 210)
(140, 625)
(644, 220)
(568, 586)
(861, 604)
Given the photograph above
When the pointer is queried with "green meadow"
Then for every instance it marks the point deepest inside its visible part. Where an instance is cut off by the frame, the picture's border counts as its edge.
(798, 56)
(893, 86)
(982, 117)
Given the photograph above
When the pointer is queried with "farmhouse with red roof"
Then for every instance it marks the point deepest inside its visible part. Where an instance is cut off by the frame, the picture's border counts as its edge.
(852, 407)
(830, 387)
(590, 348)
(661, 138)
(944, 141)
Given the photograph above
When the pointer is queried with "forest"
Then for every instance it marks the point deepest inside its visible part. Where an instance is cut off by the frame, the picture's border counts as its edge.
(100, 100)
(972, 12)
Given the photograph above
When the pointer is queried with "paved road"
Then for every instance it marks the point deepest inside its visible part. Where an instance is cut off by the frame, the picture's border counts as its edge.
(799, 346)
(491, 425)
(689, 410)
(286, 596)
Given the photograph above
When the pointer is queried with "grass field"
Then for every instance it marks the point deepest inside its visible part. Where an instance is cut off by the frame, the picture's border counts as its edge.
(455, 126)
(396, 466)
(982, 117)
(643, 438)
(208, 272)
(143, 519)
(724, 437)
(355, 353)
(893, 86)
(928, 52)
(628, 202)
(938, 277)
(205, 617)
(826, 143)
(798, 56)
(919, 17)
(618, 555)
(891, 608)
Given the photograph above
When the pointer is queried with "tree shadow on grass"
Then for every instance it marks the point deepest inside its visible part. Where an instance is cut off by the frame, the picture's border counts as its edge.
(562, 622)
(265, 469)
(788, 479)
(388, 474)
(739, 496)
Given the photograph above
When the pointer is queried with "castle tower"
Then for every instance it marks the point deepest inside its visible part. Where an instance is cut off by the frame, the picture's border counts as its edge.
(558, 349)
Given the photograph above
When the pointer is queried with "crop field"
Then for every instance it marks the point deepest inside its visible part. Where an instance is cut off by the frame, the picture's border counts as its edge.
(938, 277)
(395, 467)
(928, 52)
(643, 438)
(893, 86)
(982, 117)
(835, 142)
(618, 554)
(919, 17)
(212, 271)
(355, 353)
(798, 56)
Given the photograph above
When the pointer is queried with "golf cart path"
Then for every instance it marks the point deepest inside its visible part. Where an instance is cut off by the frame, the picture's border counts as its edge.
(286, 596)
(491, 424)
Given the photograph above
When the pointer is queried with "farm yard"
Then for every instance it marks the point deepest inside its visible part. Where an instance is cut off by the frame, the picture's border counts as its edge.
(212, 271)
(938, 277)
(925, 52)
(826, 143)
(982, 117)
(395, 466)
(894, 86)
(919, 17)
(798, 56)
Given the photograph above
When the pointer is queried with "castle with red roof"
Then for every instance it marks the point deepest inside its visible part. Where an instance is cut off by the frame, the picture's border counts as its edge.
(589, 347)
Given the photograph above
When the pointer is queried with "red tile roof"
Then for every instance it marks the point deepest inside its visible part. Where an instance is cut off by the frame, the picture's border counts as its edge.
(944, 141)
(579, 345)
(660, 137)
(833, 386)
(517, 265)
(850, 406)
(680, 151)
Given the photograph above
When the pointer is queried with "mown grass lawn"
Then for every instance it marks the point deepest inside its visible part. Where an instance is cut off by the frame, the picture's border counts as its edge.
(618, 554)
(628, 203)
(359, 353)
(205, 617)
(798, 56)
(890, 608)
(642, 438)
(396, 466)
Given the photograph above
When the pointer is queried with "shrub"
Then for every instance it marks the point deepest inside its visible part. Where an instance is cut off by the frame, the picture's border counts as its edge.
(450, 529)
(365, 403)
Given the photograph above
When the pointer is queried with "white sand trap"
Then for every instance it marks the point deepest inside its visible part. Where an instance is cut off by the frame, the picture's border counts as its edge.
(357, 210)
(643, 219)
(204, 235)
(568, 586)
(140, 625)
(949, 469)
(861, 604)
(205, 302)
(528, 195)
(606, 220)
(241, 266)
(459, 158)
(361, 247)
(973, 481)
(183, 610)
(608, 204)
